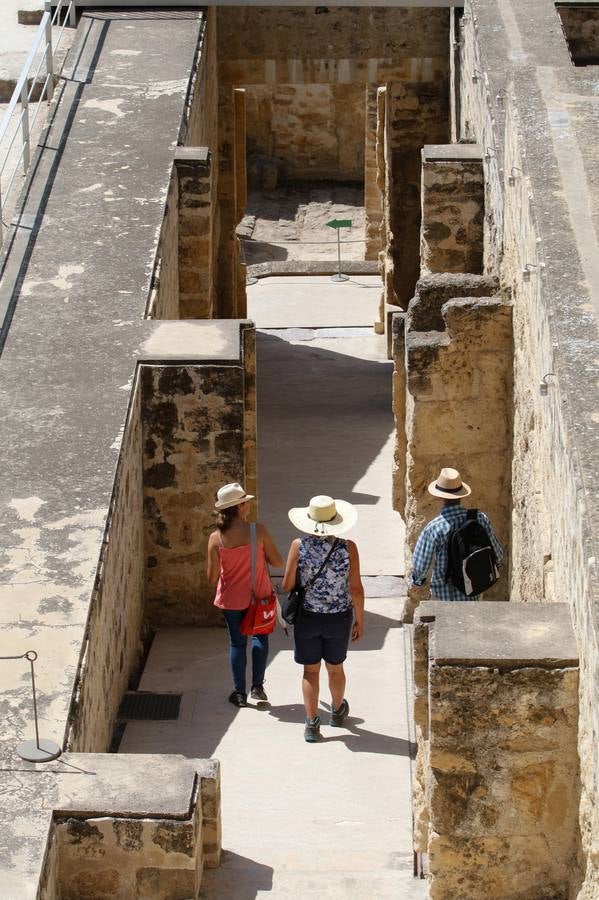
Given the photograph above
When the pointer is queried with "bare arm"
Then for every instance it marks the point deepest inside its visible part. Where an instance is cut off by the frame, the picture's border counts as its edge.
(213, 561)
(291, 566)
(273, 557)
(356, 589)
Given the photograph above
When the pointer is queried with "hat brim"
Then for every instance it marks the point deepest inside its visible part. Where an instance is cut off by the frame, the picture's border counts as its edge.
(449, 495)
(231, 503)
(346, 518)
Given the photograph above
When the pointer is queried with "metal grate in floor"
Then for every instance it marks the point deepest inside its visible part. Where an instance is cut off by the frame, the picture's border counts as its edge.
(148, 706)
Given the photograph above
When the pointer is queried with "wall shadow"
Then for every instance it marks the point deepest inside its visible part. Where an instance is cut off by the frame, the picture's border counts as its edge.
(238, 878)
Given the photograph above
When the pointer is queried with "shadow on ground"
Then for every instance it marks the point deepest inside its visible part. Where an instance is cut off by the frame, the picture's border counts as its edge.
(238, 878)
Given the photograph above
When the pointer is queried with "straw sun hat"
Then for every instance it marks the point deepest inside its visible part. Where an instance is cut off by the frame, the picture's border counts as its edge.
(324, 516)
(449, 485)
(231, 495)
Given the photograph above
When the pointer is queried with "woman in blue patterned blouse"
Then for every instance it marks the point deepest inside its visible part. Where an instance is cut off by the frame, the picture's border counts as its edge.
(333, 610)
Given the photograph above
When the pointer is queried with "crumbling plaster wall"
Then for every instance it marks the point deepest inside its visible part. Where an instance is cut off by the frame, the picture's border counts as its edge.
(554, 500)
(114, 637)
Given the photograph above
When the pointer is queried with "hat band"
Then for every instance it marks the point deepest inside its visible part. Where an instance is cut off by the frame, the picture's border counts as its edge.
(449, 490)
(322, 521)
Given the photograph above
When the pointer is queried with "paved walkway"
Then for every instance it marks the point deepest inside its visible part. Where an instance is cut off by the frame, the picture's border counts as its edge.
(331, 820)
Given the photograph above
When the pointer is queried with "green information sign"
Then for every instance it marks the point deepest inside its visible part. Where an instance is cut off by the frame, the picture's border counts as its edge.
(339, 223)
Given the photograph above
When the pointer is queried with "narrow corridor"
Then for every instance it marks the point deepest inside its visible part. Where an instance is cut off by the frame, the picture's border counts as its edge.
(299, 820)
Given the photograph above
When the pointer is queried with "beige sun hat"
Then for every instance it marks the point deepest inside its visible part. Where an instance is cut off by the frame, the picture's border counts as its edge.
(231, 495)
(324, 516)
(449, 485)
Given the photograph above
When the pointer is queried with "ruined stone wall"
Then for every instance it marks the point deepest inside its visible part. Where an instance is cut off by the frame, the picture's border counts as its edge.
(554, 515)
(193, 426)
(417, 113)
(164, 295)
(313, 131)
(113, 644)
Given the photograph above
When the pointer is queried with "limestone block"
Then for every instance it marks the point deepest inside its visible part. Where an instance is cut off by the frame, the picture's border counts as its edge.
(433, 291)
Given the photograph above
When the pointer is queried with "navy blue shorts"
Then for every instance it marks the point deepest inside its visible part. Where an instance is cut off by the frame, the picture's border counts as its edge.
(320, 636)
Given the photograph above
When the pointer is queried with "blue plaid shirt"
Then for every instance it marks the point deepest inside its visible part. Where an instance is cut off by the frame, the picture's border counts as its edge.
(433, 543)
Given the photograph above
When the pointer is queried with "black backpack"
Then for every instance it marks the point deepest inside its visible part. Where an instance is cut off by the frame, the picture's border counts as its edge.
(471, 562)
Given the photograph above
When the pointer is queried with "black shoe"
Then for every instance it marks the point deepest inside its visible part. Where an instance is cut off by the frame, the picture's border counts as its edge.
(238, 699)
(312, 730)
(258, 693)
(338, 716)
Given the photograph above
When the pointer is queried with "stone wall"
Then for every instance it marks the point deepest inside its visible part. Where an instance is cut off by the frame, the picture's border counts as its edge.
(310, 131)
(497, 774)
(163, 302)
(198, 433)
(373, 175)
(452, 209)
(114, 639)
(457, 359)
(195, 179)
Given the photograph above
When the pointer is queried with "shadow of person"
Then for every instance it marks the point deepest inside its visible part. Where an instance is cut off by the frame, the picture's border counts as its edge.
(237, 878)
(356, 739)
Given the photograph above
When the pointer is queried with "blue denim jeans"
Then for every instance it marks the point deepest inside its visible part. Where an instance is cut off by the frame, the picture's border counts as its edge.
(238, 651)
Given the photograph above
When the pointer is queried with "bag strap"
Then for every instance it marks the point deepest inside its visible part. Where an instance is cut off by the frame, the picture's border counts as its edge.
(325, 561)
(472, 515)
(253, 554)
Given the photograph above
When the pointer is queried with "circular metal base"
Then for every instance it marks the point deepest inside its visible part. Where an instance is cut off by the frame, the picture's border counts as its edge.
(46, 751)
(251, 279)
(339, 277)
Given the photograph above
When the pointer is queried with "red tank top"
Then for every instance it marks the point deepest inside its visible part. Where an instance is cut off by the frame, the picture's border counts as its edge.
(234, 586)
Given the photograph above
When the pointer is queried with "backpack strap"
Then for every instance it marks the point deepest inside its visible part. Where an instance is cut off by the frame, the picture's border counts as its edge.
(253, 554)
(472, 515)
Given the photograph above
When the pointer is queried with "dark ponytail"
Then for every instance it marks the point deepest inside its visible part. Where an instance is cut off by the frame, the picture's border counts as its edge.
(225, 517)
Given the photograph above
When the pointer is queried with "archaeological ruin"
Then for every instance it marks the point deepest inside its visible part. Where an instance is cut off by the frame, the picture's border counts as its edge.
(184, 304)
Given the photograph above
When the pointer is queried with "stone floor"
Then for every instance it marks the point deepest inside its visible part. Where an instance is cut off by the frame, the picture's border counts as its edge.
(290, 223)
(299, 820)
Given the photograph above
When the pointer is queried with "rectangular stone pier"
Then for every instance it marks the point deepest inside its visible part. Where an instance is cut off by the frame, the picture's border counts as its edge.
(496, 710)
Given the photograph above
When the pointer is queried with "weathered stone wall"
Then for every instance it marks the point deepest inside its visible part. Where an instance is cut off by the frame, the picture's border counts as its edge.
(452, 210)
(373, 197)
(417, 114)
(193, 166)
(496, 795)
(163, 302)
(310, 131)
(458, 364)
(194, 435)
(114, 638)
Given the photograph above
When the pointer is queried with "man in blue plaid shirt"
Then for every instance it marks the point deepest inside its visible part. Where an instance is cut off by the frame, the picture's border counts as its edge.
(433, 543)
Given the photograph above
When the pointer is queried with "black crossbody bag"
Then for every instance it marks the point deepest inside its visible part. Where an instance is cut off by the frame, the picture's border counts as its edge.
(292, 604)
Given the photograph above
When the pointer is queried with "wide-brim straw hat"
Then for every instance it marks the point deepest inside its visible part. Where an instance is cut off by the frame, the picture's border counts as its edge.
(231, 495)
(449, 485)
(324, 516)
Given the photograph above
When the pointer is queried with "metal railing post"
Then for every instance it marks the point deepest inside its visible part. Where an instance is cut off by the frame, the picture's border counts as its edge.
(49, 60)
(25, 127)
(73, 14)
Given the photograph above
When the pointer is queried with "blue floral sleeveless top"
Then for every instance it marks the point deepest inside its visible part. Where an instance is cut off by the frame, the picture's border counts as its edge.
(330, 591)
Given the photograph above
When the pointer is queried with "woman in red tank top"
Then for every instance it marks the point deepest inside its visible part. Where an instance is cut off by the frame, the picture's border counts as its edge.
(230, 568)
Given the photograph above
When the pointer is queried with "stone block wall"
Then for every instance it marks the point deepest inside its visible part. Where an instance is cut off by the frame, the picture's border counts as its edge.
(163, 302)
(373, 177)
(457, 358)
(310, 131)
(451, 238)
(114, 640)
(199, 432)
(194, 248)
(496, 795)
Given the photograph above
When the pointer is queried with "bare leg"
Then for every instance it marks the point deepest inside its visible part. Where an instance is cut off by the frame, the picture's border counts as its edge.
(310, 688)
(336, 683)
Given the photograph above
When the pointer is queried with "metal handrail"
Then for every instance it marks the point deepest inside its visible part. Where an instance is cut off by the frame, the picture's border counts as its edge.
(22, 93)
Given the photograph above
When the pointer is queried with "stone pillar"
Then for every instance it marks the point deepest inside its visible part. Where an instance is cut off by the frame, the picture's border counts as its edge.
(453, 208)
(227, 251)
(417, 113)
(382, 177)
(497, 711)
(373, 201)
(239, 108)
(194, 178)
(458, 359)
(398, 329)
